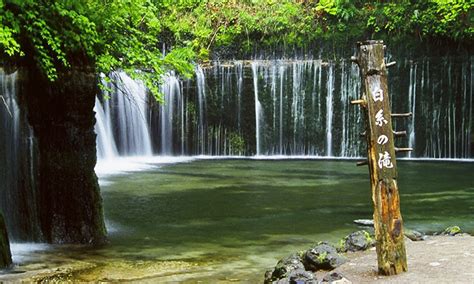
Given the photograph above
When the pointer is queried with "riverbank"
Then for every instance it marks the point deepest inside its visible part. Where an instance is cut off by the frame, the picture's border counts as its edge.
(438, 259)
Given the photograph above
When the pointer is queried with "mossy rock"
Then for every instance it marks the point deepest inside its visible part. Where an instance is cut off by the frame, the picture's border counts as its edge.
(414, 235)
(322, 257)
(452, 231)
(284, 268)
(357, 241)
(5, 254)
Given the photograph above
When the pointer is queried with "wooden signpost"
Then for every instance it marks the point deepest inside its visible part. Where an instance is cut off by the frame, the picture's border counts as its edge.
(388, 224)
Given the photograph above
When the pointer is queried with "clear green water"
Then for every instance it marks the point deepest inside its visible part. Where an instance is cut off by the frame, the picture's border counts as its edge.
(230, 220)
(240, 216)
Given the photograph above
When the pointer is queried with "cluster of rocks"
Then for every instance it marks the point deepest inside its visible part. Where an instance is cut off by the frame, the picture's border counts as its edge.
(412, 234)
(301, 267)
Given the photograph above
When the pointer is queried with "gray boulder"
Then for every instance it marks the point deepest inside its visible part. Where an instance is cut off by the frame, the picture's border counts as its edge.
(335, 278)
(357, 241)
(414, 235)
(285, 266)
(322, 257)
(364, 222)
(299, 276)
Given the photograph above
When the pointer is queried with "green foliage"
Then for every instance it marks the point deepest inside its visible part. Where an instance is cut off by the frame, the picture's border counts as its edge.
(449, 19)
(322, 257)
(237, 143)
(128, 34)
(109, 35)
(215, 23)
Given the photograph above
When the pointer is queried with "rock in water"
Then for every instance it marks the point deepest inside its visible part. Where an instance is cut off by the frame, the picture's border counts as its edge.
(364, 222)
(5, 254)
(322, 257)
(357, 241)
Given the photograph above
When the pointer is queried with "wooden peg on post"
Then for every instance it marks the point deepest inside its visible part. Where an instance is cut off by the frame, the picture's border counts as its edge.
(399, 133)
(388, 223)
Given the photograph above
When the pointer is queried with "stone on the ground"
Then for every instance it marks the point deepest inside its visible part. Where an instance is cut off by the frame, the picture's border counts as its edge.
(298, 276)
(284, 268)
(364, 222)
(414, 235)
(322, 257)
(452, 231)
(357, 241)
(335, 278)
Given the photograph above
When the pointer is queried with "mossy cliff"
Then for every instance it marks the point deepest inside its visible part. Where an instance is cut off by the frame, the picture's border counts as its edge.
(5, 255)
(62, 117)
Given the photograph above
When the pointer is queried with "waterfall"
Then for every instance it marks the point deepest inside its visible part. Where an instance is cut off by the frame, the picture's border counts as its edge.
(280, 136)
(329, 110)
(173, 103)
(258, 108)
(240, 79)
(288, 107)
(17, 164)
(201, 90)
(412, 104)
(121, 120)
(106, 148)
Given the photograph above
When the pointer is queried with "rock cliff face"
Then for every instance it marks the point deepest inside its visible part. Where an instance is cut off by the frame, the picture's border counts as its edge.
(5, 255)
(62, 117)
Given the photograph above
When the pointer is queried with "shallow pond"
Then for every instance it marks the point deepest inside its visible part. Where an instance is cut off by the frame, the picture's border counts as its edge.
(233, 219)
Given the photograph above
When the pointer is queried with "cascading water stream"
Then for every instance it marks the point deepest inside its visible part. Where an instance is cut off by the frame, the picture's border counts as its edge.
(329, 109)
(294, 107)
(18, 170)
(201, 89)
(258, 108)
(106, 148)
(171, 89)
(122, 127)
(412, 104)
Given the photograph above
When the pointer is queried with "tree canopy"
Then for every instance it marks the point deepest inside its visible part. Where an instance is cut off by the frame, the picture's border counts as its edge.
(130, 35)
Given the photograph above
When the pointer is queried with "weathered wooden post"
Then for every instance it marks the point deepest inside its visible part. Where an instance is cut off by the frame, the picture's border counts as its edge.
(391, 254)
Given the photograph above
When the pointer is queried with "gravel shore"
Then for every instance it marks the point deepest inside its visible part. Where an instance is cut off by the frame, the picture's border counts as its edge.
(438, 259)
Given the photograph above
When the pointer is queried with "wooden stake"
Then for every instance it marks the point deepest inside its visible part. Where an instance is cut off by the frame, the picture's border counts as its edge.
(388, 223)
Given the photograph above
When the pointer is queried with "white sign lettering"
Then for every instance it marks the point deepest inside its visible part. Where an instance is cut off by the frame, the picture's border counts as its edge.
(379, 119)
(378, 95)
(385, 160)
(383, 139)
